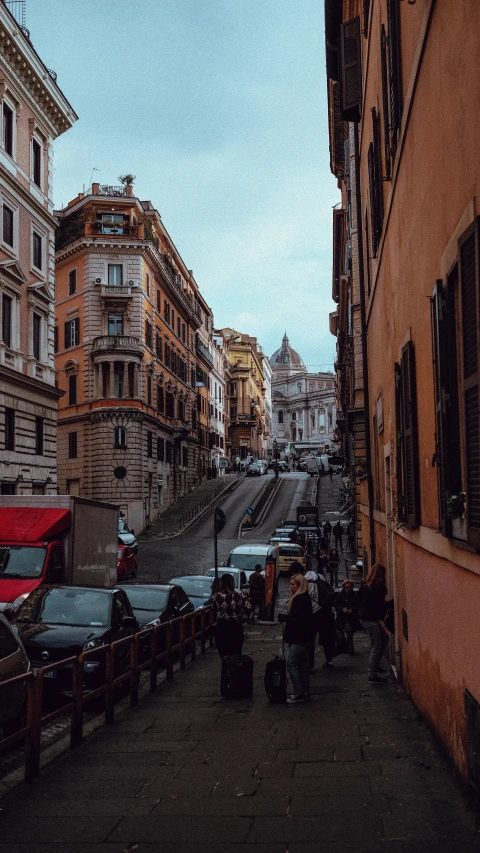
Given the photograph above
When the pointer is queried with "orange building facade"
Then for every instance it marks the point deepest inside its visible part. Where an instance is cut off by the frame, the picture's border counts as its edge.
(33, 113)
(130, 357)
(404, 100)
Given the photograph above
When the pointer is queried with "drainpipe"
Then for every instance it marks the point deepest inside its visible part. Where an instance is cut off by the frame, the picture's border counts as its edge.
(363, 315)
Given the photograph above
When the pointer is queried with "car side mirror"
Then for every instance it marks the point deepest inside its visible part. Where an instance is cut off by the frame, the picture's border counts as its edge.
(129, 624)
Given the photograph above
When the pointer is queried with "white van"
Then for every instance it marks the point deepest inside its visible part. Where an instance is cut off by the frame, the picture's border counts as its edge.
(247, 556)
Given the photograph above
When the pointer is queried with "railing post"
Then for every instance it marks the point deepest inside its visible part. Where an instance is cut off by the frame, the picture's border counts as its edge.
(210, 627)
(110, 686)
(202, 628)
(134, 675)
(169, 661)
(153, 660)
(193, 642)
(182, 643)
(76, 728)
(34, 728)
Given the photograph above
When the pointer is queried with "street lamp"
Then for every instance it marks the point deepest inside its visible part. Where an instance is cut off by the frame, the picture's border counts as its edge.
(275, 455)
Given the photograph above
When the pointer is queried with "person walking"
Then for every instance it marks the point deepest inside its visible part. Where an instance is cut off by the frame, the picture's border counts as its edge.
(298, 629)
(338, 534)
(315, 579)
(371, 610)
(333, 563)
(322, 563)
(231, 608)
(326, 622)
(256, 584)
(330, 472)
(327, 532)
(346, 607)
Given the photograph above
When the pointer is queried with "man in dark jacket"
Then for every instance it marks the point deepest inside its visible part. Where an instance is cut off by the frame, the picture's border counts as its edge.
(346, 606)
(338, 534)
(256, 583)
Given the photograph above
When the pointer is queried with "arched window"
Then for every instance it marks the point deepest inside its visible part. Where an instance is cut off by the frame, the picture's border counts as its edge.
(120, 437)
(280, 417)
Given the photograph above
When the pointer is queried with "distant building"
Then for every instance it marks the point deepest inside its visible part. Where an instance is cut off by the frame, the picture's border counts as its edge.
(304, 407)
(248, 430)
(33, 112)
(132, 357)
(218, 406)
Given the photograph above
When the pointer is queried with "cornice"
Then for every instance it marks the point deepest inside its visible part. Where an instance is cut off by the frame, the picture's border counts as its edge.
(7, 178)
(20, 379)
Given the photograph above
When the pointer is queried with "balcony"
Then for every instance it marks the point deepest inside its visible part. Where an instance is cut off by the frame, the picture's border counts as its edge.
(117, 344)
(72, 229)
(202, 351)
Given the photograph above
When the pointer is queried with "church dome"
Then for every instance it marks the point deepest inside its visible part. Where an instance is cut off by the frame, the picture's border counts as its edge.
(286, 359)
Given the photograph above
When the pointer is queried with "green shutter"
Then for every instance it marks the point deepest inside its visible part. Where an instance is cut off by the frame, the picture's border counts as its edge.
(351, 66)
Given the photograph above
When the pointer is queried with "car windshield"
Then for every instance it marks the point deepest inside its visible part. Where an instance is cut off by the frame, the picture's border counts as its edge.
(197, 587)
(16, 561)
(146, 599)
(122, 527)
(85, 608)
(246, 561)
(290, 552)
(226, 571)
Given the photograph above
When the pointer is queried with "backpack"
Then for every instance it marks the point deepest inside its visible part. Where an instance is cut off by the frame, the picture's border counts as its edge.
(326, 593)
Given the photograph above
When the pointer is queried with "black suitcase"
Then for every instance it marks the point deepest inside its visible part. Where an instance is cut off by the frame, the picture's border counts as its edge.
(237, 677)
(276, 679)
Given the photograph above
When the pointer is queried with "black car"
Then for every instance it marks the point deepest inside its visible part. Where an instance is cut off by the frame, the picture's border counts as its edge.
(155, 603)
(57, 622)
(199, 589)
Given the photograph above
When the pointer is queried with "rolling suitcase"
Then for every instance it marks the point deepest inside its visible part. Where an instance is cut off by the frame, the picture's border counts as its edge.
(275, 678)
(237, 677)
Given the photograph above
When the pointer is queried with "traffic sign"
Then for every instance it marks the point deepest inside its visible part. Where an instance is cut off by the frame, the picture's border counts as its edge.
(220, 519)
(307, 517)
(249, 510)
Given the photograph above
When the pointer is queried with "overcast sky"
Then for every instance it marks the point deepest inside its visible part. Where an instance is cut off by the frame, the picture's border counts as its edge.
(219, 108)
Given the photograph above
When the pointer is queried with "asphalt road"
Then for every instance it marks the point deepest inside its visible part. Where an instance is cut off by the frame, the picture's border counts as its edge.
(192, 552)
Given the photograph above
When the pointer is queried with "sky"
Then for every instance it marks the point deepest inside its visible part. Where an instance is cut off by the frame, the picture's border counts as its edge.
(219, 109)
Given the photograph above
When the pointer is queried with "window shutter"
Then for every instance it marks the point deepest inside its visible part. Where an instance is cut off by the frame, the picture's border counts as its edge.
(351, 65)
(470, 380)
(76, 326)
(371, 183)
(399, 444)
(67, 334)
(386, 117)
(395, 68)
(410, 437)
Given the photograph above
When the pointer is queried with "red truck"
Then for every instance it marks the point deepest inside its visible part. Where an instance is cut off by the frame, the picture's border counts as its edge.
(54, 539)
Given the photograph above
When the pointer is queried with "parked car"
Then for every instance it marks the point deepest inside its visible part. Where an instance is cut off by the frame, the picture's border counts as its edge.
(290, 553)
(255, 470)
(56, 622)
(13, 661)
(197, 587)
(239, 577)
(263, 465)
(127, 536)
(285, 533)
(154, 603)
(247, 557)
(126, 562)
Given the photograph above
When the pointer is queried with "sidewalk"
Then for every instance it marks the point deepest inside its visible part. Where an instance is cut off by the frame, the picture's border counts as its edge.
(354, 770)
(175, 518)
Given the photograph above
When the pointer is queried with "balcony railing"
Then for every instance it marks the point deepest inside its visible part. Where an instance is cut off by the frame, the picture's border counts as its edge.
(114, 229)
(105, 189)
(203, 351)
(117, 343)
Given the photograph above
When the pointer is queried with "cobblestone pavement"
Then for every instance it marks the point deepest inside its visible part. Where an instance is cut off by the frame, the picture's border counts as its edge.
(354, 770)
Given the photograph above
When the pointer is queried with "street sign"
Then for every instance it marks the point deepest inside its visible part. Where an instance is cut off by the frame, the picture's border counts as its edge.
(220, 519)
(307, 517)
(249, 510)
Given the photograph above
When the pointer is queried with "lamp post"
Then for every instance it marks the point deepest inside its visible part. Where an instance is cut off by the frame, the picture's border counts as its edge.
(275, 455)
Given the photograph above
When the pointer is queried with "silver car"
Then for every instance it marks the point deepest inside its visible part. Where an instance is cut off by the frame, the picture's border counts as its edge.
(13, 661)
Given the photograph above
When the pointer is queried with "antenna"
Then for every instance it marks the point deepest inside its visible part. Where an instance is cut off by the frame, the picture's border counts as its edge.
(91, 176)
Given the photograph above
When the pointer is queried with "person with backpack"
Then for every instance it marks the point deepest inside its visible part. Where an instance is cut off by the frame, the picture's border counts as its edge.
(322, 596)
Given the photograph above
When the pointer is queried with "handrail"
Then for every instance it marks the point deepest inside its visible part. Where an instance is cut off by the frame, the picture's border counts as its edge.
(161, 649)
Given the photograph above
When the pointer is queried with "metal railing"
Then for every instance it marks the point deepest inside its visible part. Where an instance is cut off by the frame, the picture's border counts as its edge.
(193, 627)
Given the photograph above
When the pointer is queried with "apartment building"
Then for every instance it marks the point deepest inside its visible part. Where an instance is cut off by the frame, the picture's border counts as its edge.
(246, 394)
(128, 316)
(219, 420)
(33, 113)
(404, 104)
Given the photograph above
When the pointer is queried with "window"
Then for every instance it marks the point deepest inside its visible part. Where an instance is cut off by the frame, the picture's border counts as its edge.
(168, 451)
(149, 390)
(161, 449)
(7, 320)
(160, 399)
(375, 184)
(118, 377)
(114, 223)
(170, 405)
(181, 410)
(385, 109)
(37, 336)
(167, 355)
(115, 275)
(72, 445)
(8, 129)
(395, 71)
(120, 438)
(36, 162)
(149, 444)
(408, 490)
(173, 319)
(8, 225)
(148, 334)
(178, 326)
(294, 416)
(166, 311)
(159, 301)
(72, 282)
(72, 389)
(9, 429)
(185, 457)
(37, 254)
(115, 324)
(183, 333)
(351, 70)
(72, 333)
(55, 339)
(39, 436)
(148, 284)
